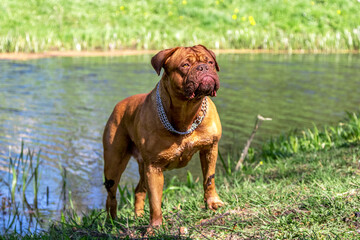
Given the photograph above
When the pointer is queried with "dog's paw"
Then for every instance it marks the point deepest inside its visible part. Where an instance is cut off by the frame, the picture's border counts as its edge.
(214, 203)
(139, 213)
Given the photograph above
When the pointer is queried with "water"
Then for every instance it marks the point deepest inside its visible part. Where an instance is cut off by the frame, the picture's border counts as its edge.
(60, 105)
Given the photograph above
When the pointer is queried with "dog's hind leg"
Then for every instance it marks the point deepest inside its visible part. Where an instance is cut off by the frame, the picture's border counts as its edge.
(140, 190)
(116, 159)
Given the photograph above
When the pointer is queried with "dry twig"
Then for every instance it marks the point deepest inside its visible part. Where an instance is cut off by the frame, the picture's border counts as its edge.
(258, 122)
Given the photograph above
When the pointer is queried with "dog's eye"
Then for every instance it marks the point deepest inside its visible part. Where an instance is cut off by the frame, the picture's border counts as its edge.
(211, 62)
(186, 65)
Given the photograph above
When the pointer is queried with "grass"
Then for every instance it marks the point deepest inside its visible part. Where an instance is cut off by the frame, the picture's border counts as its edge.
(307, 196)
(294, 142)
(23, 170)
(318, 25)
(307, 192)
(312, 140)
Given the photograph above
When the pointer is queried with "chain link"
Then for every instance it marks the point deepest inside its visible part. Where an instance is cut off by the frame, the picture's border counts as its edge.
(164, 120)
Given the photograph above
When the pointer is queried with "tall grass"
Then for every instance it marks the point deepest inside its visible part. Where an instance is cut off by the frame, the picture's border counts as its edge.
(23, 170)
(27, 26)
(294, 142)
(127, 196)
(311, 140)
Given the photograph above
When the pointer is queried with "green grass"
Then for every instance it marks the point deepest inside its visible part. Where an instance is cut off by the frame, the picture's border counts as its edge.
(23, 170)
(304, 141)
(37, 25)
(306, 192)
(312, 140)
(306, 196)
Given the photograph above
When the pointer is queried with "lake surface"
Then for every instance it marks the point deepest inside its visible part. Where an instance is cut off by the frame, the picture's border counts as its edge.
(60, 105)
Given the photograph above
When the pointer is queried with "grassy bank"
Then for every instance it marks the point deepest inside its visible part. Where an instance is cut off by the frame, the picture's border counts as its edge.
(305, 192)
(35, 26)
(306, 196)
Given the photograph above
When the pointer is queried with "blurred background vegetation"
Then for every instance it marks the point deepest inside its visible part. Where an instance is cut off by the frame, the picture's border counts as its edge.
(45, 25)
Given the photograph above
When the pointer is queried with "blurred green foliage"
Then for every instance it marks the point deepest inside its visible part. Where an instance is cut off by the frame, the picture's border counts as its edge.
(38, 25)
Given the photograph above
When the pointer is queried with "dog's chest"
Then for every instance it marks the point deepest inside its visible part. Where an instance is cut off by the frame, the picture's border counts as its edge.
(179, 155)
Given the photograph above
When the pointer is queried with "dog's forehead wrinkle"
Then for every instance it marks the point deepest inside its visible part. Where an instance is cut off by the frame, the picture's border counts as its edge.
(192, 58)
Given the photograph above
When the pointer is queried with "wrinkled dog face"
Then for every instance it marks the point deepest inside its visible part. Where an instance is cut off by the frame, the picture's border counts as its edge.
(201, 76)
(193, 71)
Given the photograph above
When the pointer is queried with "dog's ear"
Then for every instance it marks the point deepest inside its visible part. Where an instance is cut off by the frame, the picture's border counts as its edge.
(213, 55)
(160, 58)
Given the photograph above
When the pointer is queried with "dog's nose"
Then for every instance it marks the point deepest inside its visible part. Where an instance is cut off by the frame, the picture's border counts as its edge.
(202, 67)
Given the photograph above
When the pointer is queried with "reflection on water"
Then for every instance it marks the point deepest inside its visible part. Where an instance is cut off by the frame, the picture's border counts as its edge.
(60, 106)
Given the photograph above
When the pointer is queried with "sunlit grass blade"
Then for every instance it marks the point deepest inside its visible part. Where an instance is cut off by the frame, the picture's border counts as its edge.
(190, 180)
(225, 167)
(36, 180)
(14, 179)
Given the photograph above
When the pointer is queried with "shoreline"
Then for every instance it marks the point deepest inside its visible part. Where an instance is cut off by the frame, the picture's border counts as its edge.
(117, 53)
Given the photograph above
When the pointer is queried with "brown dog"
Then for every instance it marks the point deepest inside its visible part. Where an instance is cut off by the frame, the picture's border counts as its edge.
(164, 128)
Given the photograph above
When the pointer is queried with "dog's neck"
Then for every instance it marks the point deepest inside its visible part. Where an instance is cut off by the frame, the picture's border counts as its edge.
(180, 111)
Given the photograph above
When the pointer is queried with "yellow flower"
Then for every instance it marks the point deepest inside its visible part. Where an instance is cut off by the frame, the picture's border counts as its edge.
(122, 8)
(236, 10)
(184, 2)
(243, 19)
(252, 20)
(170, 13)
(181, 17)
(234, 17)
(338, 11)
(312, 3)
(261, 163)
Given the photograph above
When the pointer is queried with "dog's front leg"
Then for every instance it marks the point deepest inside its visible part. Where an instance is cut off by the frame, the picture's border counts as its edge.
(155, 184)
(208, 158)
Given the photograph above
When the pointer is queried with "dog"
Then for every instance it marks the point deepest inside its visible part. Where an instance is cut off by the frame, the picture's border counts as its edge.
(163, 129)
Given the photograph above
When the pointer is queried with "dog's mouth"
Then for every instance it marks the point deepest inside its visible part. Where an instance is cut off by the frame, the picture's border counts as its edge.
(206, 85)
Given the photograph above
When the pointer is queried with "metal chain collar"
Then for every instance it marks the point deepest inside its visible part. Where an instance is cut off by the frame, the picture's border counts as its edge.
(164, 120)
